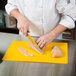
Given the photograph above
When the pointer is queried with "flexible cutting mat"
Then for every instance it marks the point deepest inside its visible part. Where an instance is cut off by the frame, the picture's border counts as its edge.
(13, 54)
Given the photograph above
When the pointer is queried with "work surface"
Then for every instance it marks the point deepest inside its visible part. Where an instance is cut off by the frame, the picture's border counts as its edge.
(13, 54)
(41, 69)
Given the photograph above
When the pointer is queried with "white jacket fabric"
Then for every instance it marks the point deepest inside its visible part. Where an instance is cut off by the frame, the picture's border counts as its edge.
(45, 15)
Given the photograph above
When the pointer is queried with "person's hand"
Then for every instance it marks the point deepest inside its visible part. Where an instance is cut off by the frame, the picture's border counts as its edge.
(44, 40)
(23, 25)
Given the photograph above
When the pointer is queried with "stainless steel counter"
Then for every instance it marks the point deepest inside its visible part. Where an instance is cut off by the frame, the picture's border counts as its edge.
(41, 69)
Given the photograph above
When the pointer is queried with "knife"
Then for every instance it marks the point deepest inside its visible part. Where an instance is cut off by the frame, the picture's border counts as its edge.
(32, 40)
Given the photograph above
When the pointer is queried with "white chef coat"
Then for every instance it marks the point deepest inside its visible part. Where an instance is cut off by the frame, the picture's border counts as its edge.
(45, 15)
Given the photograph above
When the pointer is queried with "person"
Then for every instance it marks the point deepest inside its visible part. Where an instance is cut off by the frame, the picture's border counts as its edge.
(46, 19)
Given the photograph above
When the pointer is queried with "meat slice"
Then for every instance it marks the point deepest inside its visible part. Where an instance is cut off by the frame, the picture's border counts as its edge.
(34, 47)
(24, 52)
(56, 52)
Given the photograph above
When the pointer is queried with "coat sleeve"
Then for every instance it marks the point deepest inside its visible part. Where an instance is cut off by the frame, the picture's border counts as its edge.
(10, 6)
(67, 10)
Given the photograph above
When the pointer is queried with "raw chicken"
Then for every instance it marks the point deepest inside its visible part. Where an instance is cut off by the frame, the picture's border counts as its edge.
(24, 52)
(34, 47)
(56, 52)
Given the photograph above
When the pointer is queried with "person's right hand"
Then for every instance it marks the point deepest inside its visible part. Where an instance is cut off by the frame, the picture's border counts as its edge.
(23, 25)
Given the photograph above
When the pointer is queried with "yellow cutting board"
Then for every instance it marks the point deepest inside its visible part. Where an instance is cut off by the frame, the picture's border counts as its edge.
(13, 54)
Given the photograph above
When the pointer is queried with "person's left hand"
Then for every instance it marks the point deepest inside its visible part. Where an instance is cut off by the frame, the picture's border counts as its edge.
(44, 40)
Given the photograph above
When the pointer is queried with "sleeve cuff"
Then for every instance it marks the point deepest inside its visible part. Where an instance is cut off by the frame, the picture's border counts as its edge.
(67, 21)
(10, 8)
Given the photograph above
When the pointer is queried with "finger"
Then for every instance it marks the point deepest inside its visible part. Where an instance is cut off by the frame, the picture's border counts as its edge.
(21, 29)
(25, 31)
(43, 44)
(39, 44)
(38, 40)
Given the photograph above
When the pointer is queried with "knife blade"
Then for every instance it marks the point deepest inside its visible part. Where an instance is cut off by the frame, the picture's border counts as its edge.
(32, 40)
